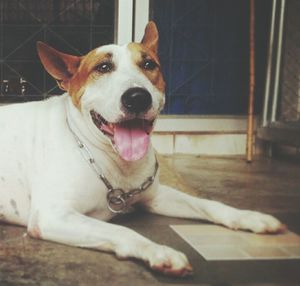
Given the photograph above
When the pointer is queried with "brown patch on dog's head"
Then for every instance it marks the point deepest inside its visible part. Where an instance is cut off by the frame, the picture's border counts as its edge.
(72, 73)
(145, 56)
(90, 65)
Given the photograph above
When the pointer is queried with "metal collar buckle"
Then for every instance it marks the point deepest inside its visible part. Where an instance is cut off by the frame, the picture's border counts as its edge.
(116, 201)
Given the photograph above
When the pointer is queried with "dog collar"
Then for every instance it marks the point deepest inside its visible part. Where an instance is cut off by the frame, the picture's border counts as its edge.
(117, 198)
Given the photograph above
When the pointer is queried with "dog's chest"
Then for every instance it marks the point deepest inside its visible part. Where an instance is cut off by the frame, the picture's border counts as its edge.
(88, 193)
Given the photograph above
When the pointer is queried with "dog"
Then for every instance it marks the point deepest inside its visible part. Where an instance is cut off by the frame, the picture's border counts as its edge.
(72, 162)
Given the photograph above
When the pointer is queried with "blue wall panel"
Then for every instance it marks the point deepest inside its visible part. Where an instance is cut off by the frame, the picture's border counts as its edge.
(204, 53)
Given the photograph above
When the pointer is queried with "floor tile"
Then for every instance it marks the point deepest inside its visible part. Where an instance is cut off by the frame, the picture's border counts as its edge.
(218, 243)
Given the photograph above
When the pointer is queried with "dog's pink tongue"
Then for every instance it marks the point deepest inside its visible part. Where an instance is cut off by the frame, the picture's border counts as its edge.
(131, 141)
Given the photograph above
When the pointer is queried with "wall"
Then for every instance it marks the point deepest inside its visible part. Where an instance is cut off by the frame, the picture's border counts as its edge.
(205, 135)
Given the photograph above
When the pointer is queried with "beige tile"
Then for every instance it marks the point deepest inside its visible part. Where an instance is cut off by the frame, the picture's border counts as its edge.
(190, 229)
(218, 144)
(265, 252)
(218, 243)
(163, 144)
(288, 238)
(216, 239)
(221, 252)
(293, 251)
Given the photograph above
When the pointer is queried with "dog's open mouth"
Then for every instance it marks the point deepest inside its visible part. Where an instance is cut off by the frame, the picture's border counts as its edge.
(130, 137)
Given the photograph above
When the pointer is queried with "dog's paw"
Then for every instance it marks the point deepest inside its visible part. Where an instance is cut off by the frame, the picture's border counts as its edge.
(257, 222)
(168, 261)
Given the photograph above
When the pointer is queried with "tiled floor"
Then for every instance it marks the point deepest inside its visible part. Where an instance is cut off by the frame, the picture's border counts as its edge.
(215, 242)
(266, 185)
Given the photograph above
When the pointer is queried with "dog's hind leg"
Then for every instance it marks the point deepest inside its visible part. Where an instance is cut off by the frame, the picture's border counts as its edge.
(170, 202)
(67, 226)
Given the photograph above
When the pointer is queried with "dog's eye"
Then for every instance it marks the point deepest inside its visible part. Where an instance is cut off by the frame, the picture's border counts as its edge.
(149, 65)
(105, 67)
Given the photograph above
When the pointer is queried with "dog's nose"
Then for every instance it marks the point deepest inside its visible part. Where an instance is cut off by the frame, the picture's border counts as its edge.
(136, 100)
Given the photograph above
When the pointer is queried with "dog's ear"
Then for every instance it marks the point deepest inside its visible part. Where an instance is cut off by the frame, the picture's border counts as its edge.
(59, 65)
(150, 39)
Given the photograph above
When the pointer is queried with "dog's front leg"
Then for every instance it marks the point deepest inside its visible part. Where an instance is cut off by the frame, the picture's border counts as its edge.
(170, 202)
(67, 226)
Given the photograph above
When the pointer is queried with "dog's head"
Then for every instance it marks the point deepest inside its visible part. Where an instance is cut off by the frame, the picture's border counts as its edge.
(119, 90)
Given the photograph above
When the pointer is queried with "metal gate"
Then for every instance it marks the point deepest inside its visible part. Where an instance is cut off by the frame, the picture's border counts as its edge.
(281, 113)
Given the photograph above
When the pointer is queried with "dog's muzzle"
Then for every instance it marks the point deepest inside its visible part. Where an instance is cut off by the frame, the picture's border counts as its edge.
(129, 137)
(136, 100)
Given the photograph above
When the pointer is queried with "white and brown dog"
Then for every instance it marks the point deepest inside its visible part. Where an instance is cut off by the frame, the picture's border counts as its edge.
(70, 163)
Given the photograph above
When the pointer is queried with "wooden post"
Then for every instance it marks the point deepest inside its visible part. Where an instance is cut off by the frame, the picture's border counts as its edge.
(251, 83)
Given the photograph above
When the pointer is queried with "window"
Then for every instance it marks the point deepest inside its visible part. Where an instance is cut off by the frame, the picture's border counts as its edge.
(204, 50)
(71, 26)
(203, 46)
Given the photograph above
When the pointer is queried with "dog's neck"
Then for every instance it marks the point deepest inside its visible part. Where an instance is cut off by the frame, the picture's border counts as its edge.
(99, 145)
